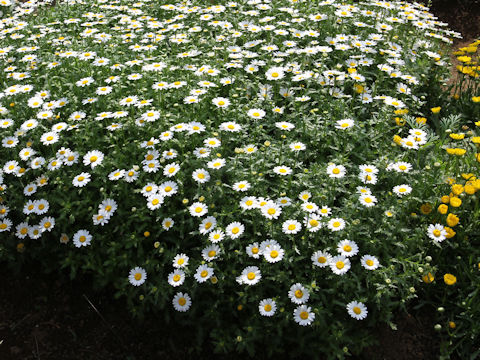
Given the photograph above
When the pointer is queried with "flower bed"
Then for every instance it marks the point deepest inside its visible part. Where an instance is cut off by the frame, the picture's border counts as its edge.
(247, 168)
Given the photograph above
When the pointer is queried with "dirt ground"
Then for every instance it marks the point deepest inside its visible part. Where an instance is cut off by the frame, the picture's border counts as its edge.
(48, 317)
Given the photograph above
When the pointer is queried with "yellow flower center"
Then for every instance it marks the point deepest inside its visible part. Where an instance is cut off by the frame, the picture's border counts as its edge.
(182, 301)
(168, 188)
(369, 262)
(298, 294)
(82, 239)
(304, 315)
(180, 261)
(138, 276)
(81, 178)
(251, 275)
(198, 209)
(274, 254)
(212, 253)
(437, 232)
(336, 171)
(291, 227)
(357, 310)
(235, 230)
(271, 211)
(322, 259)
(204, 273)
(3, 226)
(347, 248)
(336, 224)
(267, 308)
(155, 201)
(171, 170)
(340, 265)
(148, 189)
(49, 138)
(176, 277)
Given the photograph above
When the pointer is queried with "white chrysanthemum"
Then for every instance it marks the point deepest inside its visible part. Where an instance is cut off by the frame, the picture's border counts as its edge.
(155, 201)
(275, 73)
(344, 124)
(137, 276)
(168, 188)
(235, 230)
(357, 310)
(321, 258)
(369, 262)
(171, 170)
(336, 171)
(198, 209)
(347, 248)
(298, 294)
(437, 232)
(402, 190)
(340, 264)
(253, 250)
(207, 225)
(216, 236)
(303, 315)
(367, 200)
(181, 302)
(81, 180)
(176, 278)
(203, 273)
(256, 113)
(221, 102)
(267, 307)
(241, 186)
(180, 261)
(211, 252)
(291, 227)
(251, 275)
(167, 223)
(336, 224)
(271, 210)
(273, 253)
(82, 238)
(93, 158)
(282, 170)
(201, 176)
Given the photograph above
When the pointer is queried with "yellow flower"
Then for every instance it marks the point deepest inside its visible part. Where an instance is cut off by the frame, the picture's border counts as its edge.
(426, 209)
(401, 111)
(457, 189)
(476, 184)
(428, 278)
(450, 151)
(452, 220)
(443, 209)
(397, 140)
(477, 123)
(470, 189)
(476, 139)
(457, 136)
(421, 120)
(452, 325)
(450, 232)
(436, 109)
(400, 121)
(476, 99)
(445, 199)
(464, 58)
(477, 156)
(449, 279)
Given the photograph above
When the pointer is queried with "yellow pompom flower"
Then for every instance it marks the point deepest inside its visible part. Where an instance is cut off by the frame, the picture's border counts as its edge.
(452, 220)
(436, 109)
(397, 140)
(426, 209)
(450, 232)
(476, 139)
(449, 279)
(457, 136)
(470, 189)
(464, 59)
(421, 120)
(428, 278)
(476, 99)
(457, 189)
(445, 199)
(442, 209)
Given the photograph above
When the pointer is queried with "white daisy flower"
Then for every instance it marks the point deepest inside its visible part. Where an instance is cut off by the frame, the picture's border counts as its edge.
(336, 171)
(291, 227)
(336, 224)
(207, 225)
(155, 201)
(321, 258)
(344, 124)
(357, 310)
(203, 273)
(93, 158)
(271, 210)
(256, 113)
(241, 186)
(81, 180)
(253, 250)
(82, 238)
(303, 315)
(267, 307)
(347, 248)
(137, 276)
(176, 278)
(251, 275)
(180, 261)
(282, 170)
(340, 264)
(167, 223)
(437, 232)
(298, 294)
(211, 252)
(367, 200)
(273, 253)
(369, 262)
(235, 229)
(171, 170)
(198, 209)
(216, 236)
(402, 190)
(181, 302)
